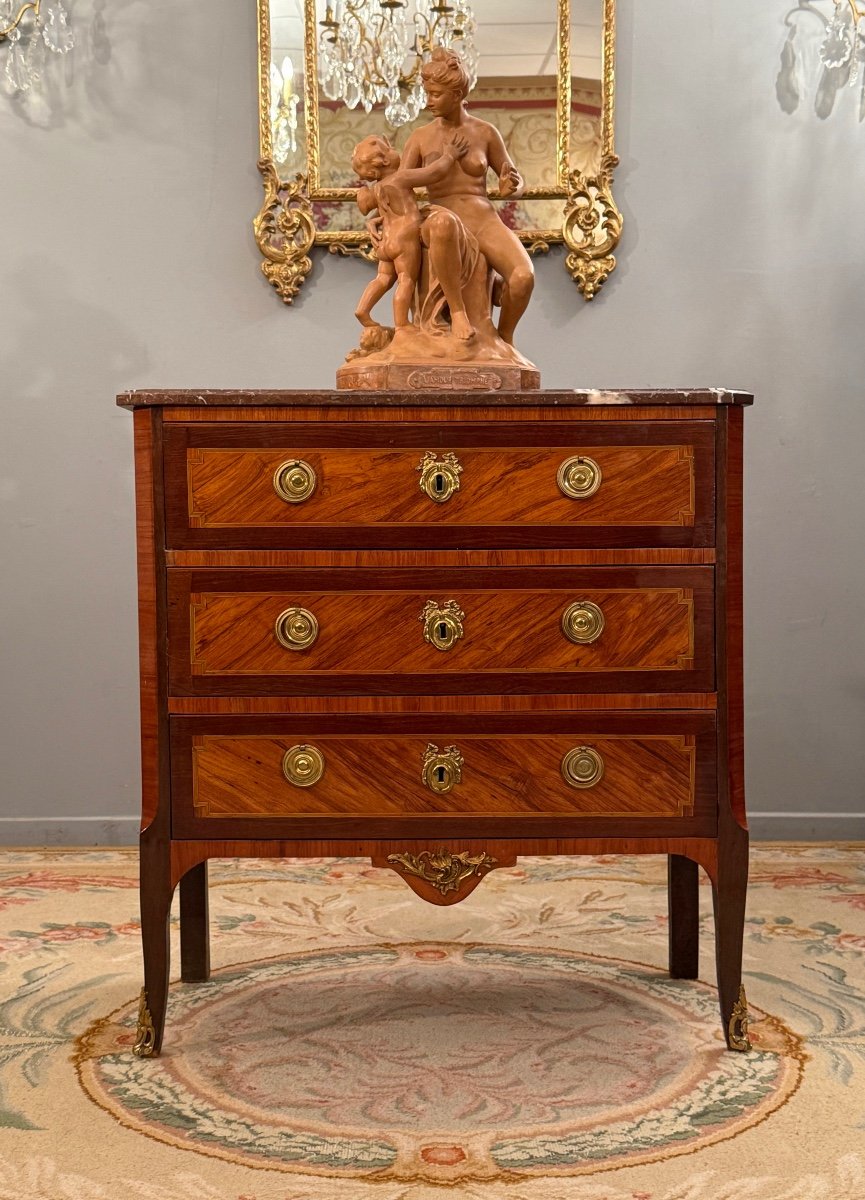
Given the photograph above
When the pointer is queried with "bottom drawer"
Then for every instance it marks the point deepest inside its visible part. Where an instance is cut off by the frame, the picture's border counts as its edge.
(564, 774)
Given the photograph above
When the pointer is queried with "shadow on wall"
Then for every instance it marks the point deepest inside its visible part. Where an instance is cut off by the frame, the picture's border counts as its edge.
(88, 343)
(61, 81)
(118, 77)
(822, 51)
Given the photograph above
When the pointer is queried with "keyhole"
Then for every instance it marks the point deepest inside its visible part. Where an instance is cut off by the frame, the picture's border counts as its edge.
(443, 631)
(441, 775)
(439, 482)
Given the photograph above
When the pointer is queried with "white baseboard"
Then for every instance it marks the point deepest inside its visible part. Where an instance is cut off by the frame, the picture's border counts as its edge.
(123, 831)
(69, 831)
(807, 827)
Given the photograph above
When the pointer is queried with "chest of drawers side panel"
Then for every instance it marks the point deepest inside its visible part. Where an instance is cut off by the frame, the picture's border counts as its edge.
(729, 617)
(152, 625)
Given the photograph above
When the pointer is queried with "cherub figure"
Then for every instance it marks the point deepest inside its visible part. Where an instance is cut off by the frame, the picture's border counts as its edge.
(396, 230)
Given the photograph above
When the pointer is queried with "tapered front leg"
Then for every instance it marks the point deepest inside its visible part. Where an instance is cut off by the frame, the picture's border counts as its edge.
(728, 895)
(683, 903)
(194, 922)
(156, 894)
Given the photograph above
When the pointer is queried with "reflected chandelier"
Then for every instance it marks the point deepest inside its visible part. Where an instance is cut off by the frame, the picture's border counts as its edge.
(28, 29)
(371, 51)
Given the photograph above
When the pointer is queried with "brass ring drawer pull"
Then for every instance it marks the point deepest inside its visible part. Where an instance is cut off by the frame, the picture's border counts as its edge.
(442, 623)
(442, 770)
(579, 477)
(582, 622)
(296, 629)
(303, 765)
(294, 481)
(582, 767)
(439, 476)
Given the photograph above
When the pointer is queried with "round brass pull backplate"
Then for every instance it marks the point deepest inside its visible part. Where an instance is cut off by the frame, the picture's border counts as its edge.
(582, 767)
(294, 481)
(582, 622)
(579, 477)
(296, 629)
(303, 765)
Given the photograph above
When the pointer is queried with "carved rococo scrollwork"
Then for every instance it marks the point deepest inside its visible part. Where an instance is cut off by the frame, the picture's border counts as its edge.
(285, 231)
(446, 871)
(592, 228)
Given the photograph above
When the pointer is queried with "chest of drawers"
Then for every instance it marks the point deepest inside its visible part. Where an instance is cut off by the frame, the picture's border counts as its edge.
(440, 632)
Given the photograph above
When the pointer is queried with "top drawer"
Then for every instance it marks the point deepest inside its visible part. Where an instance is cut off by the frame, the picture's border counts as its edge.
(576, 484)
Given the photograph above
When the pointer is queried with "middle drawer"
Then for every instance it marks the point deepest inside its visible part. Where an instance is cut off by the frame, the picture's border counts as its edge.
(416, 631)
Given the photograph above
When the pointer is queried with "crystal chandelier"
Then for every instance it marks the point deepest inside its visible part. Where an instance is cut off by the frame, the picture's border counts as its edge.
(371, 51)
(29, 29)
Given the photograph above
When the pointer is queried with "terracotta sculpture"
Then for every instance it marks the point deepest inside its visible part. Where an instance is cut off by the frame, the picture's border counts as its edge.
(396, 230)
(449, 260)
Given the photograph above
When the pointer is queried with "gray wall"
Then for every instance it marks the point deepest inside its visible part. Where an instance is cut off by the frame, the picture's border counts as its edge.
(128, 262)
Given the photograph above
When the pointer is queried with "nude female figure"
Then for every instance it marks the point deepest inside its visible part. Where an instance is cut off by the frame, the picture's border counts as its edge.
(462, 188)
(396, 230)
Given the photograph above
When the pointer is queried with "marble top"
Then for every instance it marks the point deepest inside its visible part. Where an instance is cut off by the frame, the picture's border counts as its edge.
(237, 397)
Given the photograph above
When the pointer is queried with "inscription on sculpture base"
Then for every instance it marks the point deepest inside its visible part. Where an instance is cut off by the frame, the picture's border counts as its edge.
(364, 376)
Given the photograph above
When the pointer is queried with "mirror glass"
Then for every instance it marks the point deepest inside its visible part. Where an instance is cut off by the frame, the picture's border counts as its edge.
(517, 90)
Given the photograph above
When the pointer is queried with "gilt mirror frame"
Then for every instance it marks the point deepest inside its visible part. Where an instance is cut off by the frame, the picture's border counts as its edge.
(285, 227)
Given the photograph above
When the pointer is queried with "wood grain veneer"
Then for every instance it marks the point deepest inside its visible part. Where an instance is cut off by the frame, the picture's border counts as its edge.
(655, 488)
(658, 625)
(381, 559)
(642, 485)
(515, 776)
(542, 702)
(347, 415)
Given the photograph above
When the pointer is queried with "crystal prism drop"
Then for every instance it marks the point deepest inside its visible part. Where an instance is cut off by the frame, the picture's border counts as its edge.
(36, 58)
(56, 31)
(351, 92)
(396, 114)
(838, 43)
(17, 70)
(332, 85)
(858, 54)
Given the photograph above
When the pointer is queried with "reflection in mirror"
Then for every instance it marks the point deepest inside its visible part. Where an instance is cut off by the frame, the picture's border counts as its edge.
(287, 86)
(517, 51)
(545, 79)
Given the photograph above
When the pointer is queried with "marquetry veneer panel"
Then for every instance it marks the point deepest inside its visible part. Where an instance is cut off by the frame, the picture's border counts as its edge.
(656, 485)
(657, 621)
(658, 771)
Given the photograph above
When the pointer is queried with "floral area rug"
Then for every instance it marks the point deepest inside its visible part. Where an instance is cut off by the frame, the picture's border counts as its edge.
(355, 1043)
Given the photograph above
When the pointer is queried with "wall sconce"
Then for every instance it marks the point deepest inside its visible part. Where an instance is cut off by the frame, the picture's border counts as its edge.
(26, 30)
(844, 44)
(284, 102)
(835, 62)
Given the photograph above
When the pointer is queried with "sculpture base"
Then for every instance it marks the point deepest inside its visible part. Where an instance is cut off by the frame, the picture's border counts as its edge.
(361, 375)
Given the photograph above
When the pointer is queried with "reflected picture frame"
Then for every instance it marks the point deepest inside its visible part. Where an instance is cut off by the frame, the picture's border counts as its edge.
(285, 227)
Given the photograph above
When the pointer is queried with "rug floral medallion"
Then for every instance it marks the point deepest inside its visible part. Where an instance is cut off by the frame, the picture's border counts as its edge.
(441, 1062)
(355, 1042)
